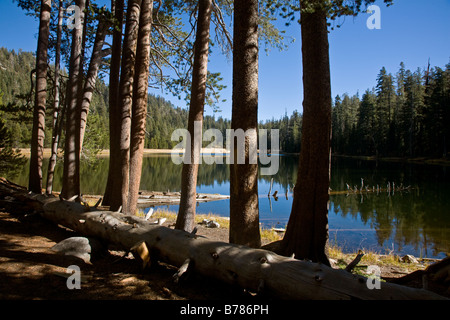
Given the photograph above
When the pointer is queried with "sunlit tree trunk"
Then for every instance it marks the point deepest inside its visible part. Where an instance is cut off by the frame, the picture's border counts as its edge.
(121, 180)
(38, 134)
(244, 211)
(114, 117)
(71, 175)
(57, 115)
(139, 109)
(307, 230)
(186, 213)
(91, 77)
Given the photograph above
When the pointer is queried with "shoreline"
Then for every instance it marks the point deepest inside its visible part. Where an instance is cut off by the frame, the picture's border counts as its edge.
(417, 160)
(105, 152)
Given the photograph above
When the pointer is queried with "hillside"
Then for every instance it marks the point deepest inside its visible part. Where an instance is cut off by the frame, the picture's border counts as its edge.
(163, 117)
(16, 108)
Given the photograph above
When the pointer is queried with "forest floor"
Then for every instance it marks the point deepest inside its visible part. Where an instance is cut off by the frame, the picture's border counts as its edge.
(29, 269)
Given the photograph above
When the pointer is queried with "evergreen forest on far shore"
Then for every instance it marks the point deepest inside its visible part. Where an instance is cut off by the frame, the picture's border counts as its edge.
(405, 114)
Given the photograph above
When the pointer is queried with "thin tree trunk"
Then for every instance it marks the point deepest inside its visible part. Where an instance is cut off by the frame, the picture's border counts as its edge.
(121, 184)
(140, 98)
(186, 213)
(56, 108)
(38, 134)
(307, 230)
(71, 175)
(114, 117)
(91, 78)
(244, 211)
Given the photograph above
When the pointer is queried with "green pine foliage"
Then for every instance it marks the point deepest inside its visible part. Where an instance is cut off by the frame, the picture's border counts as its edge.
(17, 85)
(11, 161)
(290, 131)
(405, 115)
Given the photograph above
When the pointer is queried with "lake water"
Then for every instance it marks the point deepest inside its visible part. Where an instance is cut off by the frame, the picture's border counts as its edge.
(414, 221)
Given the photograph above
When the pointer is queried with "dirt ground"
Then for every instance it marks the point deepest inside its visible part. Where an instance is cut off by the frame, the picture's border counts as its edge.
(29, 269)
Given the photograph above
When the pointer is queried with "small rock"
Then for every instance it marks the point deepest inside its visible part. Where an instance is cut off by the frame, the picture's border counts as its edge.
(80, 247)
(409, 259)
(213, 224)
(210, 223)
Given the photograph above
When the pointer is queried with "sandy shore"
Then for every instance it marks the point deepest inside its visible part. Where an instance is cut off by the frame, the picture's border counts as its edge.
(105, 153)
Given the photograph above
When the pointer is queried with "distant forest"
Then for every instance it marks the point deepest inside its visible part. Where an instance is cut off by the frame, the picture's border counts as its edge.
(163, 117)
(405, 115)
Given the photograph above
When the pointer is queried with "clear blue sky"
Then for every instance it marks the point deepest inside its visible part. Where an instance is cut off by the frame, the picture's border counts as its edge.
(412, 31)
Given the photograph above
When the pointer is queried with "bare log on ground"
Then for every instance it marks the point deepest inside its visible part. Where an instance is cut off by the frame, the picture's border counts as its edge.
(253, 269)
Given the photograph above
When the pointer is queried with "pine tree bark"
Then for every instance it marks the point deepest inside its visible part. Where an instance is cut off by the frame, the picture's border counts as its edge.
(186, 213)
(91, 77)
(121, 182)
(139, 109)
(114, 116)
(307, 230)
(38, 134)
(71, 175)
(57, 114)
(244, 211)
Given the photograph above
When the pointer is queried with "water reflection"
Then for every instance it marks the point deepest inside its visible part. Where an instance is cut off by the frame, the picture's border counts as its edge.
(414, 220)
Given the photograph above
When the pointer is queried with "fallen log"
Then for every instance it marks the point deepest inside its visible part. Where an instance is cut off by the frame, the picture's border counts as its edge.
(147, 199)
(256, 270)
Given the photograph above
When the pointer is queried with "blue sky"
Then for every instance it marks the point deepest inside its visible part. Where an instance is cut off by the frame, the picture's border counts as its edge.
(412, 31)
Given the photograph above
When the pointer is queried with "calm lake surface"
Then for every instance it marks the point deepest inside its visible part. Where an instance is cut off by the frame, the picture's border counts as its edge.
(414, 221)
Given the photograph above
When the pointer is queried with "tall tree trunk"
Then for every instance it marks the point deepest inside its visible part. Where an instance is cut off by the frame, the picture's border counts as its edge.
(71, 175)
(56, 107)
(140, 98)
(114, 117)
(38, 134)
(91, 77)
(186, 213)
(121, 183)
(307, 230)
(244, 211)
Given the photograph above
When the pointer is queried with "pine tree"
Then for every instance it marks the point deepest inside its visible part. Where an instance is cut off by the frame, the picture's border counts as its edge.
(400, 118)
(307, 229)
(186, 213)
(120, 183)
(37, 142)
(244, 207)
(385, 108)
(57, 110)
(117, 7)
(366, 126)
(140, 100)
(71, 176)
